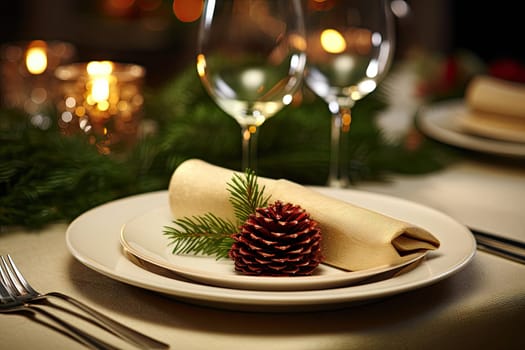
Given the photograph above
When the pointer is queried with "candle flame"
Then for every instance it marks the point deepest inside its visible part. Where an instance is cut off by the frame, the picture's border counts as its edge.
(100, 90)
(332, 41)
(36, 57)
(100, 73)
(99, 68)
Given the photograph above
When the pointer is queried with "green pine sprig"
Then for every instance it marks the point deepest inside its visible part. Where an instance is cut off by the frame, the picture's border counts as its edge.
(211, 235)
(245, 195)
(206, 235)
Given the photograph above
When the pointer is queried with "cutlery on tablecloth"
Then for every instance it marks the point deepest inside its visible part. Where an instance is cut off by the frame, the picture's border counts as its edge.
(10, 303)
(505, 247)
(27, 294)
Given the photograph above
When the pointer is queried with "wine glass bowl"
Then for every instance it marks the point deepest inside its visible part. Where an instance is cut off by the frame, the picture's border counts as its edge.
(350, 48)
(251, 59)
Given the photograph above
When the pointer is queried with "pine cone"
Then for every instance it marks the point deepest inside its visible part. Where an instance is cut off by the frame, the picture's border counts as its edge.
(278, 240)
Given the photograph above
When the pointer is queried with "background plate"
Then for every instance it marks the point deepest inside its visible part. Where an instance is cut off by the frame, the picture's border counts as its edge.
(441, 122)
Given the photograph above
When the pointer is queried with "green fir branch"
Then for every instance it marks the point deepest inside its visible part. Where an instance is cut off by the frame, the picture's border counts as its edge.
(211, 235)
(245, 195)
(206, 235)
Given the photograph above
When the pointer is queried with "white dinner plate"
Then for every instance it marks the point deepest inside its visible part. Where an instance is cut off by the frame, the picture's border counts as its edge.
(93, 238)
(441, 122)
(142, 236)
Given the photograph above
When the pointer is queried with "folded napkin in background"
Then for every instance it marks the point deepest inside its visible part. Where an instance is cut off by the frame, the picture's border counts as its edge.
(354, 238)
(495, 109)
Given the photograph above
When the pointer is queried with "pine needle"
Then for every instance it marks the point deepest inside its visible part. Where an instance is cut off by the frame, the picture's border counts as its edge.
(211, 235)
(245, 195)
(206, 235)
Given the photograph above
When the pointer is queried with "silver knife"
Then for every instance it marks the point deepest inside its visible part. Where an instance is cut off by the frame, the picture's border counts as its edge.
(504, 247)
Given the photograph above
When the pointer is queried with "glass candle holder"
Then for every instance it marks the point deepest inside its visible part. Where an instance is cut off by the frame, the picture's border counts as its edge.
(27, 80)
(103, 100)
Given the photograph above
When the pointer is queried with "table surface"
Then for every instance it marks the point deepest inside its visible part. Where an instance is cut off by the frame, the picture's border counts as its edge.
(482, 306)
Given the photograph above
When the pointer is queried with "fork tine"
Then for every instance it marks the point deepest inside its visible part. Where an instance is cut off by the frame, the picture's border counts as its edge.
(23, 283)
(7, 283)
(13, 300)
(5, 296)
(26, 292)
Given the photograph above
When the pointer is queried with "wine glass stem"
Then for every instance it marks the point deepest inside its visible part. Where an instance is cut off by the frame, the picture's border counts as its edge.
(249, 147)
(338, 172)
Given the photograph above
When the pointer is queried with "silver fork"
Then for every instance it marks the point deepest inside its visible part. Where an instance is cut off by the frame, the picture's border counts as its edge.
(10, 304)
(29, 294)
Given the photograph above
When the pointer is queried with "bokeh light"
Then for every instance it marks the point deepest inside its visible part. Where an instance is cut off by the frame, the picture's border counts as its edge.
(188, 10)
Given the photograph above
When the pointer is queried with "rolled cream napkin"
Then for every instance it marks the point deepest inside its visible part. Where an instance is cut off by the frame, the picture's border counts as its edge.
(495, 109)
(353, 238)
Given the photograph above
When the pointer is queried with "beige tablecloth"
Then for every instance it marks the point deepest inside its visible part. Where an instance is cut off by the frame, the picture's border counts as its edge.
(482, 306)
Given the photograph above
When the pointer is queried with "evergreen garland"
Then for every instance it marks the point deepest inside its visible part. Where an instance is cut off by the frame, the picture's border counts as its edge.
(47, 177)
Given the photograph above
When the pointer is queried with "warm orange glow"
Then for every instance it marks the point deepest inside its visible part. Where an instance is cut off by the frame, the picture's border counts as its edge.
(99, 68)
(320, 5)
(36, 57)
(188, 10)
(201, 65)
(246, 135)
(80, 111)
(121, 4)
(118, 8)
(361, 40)
(298, 41)
(346, 119)
(99, 91)
(332, 41)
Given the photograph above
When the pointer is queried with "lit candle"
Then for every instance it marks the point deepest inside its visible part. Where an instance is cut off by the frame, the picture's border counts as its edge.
(26, 81)
(36, 57)
(100, 84)
(103, 100)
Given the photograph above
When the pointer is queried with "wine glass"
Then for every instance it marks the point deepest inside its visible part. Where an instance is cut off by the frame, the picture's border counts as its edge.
(350, 48)
(251, 59)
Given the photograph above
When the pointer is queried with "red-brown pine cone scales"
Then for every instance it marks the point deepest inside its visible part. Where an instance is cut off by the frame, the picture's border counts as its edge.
(278, 240)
